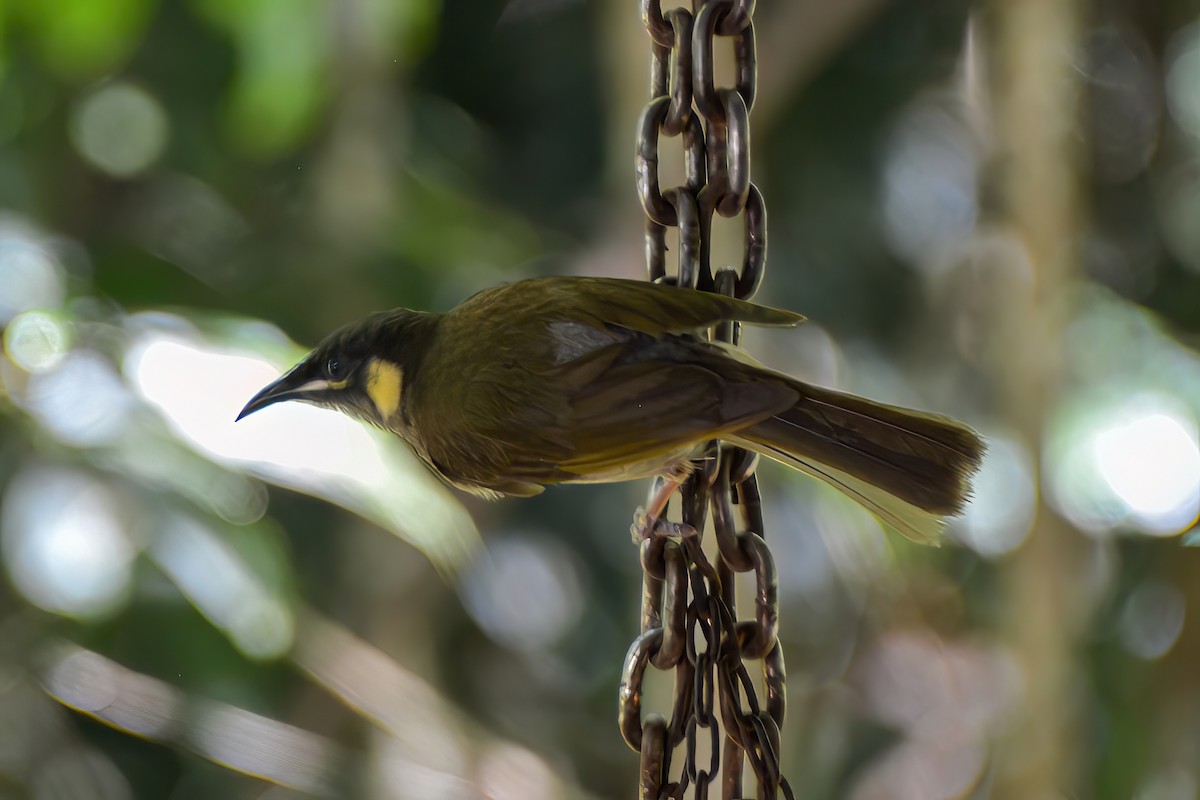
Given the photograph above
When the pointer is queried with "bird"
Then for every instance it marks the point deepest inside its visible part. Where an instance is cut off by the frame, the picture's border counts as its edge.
(573, 379)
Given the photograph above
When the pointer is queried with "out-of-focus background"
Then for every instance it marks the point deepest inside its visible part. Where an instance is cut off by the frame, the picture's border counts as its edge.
(988, 210)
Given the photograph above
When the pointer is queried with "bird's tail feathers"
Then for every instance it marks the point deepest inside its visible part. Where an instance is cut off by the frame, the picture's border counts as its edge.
(909, 467)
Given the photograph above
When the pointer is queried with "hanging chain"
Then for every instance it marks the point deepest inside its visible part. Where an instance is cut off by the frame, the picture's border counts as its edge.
(688, 620)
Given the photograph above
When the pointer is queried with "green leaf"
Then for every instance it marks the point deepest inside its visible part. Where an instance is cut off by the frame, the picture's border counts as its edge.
(82, 39)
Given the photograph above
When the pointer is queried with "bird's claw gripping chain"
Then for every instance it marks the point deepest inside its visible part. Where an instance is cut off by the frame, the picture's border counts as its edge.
(650, 520)
(646, 527)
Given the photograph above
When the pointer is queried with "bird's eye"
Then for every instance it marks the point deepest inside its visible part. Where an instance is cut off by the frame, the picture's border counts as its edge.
(333, 368)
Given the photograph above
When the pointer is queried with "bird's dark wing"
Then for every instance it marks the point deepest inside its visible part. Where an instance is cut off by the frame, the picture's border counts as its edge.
(637, 411)
(636, 305)
(657, 310)
(643, 398)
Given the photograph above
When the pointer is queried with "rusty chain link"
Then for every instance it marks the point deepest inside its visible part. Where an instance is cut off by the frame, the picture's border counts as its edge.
(688, 617)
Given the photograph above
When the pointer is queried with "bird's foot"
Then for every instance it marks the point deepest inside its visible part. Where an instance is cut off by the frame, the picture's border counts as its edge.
(646, 526)
(648, 519)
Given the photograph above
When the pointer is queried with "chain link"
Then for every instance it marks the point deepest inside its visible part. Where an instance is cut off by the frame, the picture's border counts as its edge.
(688, 619)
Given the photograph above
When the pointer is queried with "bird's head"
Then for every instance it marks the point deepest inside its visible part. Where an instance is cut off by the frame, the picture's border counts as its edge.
(358, 369)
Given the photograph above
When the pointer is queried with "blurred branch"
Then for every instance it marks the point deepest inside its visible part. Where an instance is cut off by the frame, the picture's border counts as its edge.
(379, 689)
(147, 707)
(423, 737)
(1035, 96)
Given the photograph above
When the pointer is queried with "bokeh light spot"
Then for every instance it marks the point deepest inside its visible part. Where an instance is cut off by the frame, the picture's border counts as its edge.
(76, 773)
(1126, 461)
(1171, 783)
(64, 543)
(1153, 464)
(509, 772)
(947, 698)
(82, 402)
(929, 194)
(998, 518)
(30, 276)
(120, 129)
(1183, 75)
(1124, 105)
(1152, 619)
(524, 593)
(36, 341)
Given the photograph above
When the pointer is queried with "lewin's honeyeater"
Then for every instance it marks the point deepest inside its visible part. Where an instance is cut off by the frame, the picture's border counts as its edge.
(587, 380)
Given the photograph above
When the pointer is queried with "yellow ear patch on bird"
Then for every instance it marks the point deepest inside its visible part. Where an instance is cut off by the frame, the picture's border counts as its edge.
(383, 387)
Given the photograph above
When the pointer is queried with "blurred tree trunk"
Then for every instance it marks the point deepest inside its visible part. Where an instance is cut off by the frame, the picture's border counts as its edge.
(1035, 90)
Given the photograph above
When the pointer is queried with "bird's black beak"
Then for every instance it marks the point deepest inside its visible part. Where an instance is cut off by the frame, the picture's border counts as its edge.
(295, 385)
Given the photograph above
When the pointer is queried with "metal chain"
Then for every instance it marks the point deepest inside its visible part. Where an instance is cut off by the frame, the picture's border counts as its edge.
(688, 620)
